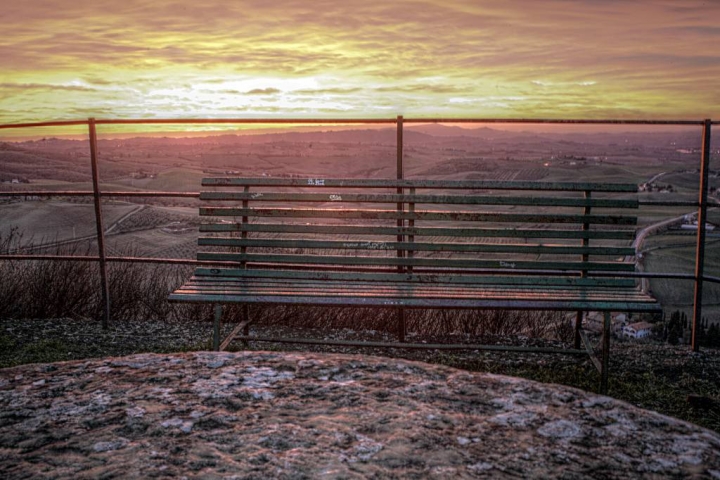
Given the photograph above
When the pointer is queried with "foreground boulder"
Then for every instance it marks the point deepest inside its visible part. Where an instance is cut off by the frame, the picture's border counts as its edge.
(309, 415)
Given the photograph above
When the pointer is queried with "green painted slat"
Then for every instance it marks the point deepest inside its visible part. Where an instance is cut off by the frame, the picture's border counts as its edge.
(466, 278)
(416, 246)
(446, 184)
(417, 231)
(332, 287)
(318, 288)
(447, 291)
(314, 290)
(416, 216)
(421, 199)
(417, 262)
(496, 304)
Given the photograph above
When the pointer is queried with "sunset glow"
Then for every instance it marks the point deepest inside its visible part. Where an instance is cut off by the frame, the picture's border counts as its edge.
(216, 58)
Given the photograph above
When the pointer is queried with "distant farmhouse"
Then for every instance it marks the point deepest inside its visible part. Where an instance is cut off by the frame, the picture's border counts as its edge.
(689, 223)
(637, 330)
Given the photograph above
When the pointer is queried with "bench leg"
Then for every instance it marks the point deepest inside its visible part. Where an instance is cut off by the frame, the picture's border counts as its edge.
(246, 319)
(401, 324)
(216, 327)
(605, 354)
(578, 326)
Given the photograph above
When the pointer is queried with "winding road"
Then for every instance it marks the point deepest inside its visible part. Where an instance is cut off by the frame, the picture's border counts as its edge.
(656, 177)
(643, 234)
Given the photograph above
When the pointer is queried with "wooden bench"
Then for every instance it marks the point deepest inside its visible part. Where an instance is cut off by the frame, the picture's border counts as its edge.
(418, 244)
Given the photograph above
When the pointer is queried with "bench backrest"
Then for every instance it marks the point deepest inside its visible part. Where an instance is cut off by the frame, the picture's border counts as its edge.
(420, 227)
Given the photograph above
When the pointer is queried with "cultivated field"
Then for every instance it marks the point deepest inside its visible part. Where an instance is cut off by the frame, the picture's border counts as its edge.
(45, 221)
(676, 253)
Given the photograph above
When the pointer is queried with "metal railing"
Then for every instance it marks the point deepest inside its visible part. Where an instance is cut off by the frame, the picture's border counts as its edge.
(698, 277)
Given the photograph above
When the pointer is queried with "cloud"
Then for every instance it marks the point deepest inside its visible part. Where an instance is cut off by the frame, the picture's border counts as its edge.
(45, 86)
(262, 91)
(424, 88)
(329, 91)
(580, 57)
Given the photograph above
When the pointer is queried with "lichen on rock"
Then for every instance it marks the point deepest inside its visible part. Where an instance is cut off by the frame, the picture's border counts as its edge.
(291, 415)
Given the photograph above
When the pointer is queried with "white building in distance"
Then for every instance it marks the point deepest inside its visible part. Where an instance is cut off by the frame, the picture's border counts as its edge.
(638, 330)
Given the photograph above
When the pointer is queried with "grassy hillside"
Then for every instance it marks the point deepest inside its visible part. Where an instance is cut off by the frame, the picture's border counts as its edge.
(673, 253)
(48, 220)
(174, 180)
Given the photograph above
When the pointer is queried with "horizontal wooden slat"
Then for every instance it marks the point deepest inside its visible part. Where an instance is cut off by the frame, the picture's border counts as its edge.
(331, 288)
(419, 199)
(444, 184)
(413, 291)
(368, 214)
(500, 302)
(334, 288)
(417, 231)
(411, 278)
(418, 262)
(417, 246)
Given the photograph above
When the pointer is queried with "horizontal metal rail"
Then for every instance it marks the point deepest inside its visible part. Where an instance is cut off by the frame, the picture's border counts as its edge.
(200, 121)
(413, 346)
(85, 193)
(95, 258)
(110, 194)
(553, 121)
(271, 121)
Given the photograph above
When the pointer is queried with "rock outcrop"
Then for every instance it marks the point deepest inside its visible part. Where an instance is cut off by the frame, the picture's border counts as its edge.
(310, 415)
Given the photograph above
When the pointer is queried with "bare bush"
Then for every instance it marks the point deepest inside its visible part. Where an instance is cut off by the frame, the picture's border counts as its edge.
(41, 288)
(431, 322)
(57, 289)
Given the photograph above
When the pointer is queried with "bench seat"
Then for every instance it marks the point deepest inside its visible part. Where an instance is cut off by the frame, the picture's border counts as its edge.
(414, 291)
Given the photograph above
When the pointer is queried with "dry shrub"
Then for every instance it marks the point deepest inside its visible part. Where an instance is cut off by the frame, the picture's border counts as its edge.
(57, 289)
(431, 322)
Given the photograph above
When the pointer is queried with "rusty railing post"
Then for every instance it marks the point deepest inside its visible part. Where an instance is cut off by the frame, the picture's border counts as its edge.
(104, 286)
(400, 222)
(700, 249)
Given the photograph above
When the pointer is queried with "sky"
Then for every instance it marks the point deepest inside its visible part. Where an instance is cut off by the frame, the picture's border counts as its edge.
(74, 59)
